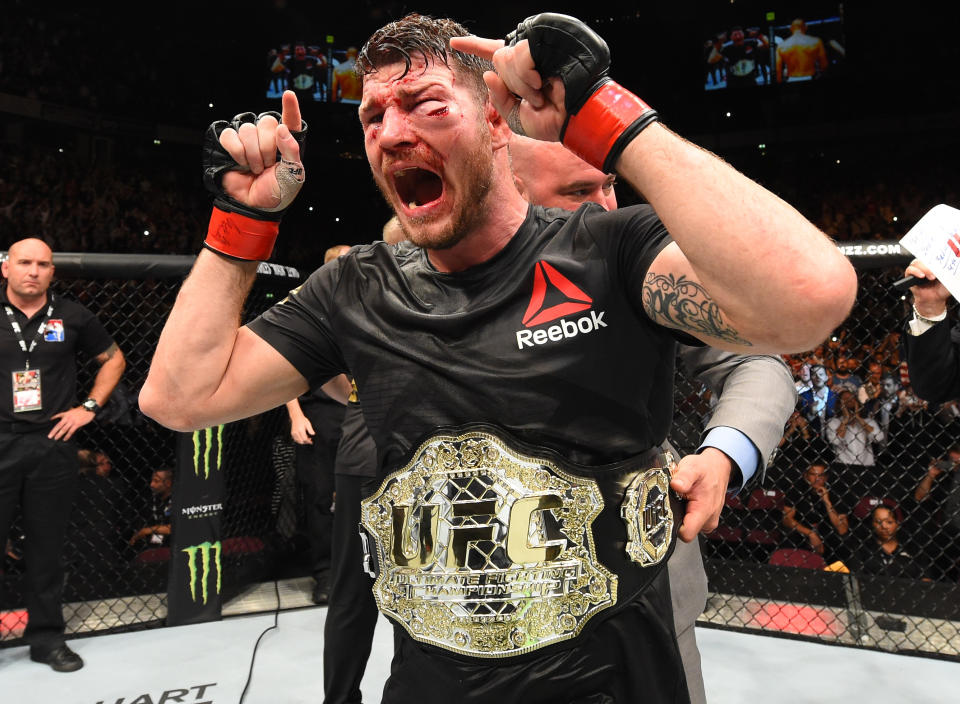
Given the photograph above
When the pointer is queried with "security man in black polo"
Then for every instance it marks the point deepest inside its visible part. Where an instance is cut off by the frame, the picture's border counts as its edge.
(40, 336)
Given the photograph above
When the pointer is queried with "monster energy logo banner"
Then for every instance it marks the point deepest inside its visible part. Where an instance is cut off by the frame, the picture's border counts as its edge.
(201, 457)
(202, 554)
(195, 580)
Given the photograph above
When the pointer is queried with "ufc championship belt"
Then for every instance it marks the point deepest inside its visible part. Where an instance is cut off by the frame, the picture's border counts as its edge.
(486, 548)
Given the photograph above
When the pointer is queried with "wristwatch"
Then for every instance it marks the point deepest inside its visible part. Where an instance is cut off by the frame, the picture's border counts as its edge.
(91, 405)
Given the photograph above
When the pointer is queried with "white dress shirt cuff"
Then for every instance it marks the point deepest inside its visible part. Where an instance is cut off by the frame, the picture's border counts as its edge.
(738, 447)
(920, 324)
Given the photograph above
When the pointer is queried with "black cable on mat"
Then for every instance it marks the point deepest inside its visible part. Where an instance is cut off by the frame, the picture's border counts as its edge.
(253, 656)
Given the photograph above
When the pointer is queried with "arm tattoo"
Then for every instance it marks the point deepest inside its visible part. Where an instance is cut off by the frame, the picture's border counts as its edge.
(684, 304)
(108, 354)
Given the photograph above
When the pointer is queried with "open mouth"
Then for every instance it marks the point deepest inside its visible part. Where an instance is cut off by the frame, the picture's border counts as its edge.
(417, 187)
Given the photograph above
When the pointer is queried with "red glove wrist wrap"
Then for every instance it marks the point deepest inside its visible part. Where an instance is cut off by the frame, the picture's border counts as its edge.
(592, 132)
(241, 237)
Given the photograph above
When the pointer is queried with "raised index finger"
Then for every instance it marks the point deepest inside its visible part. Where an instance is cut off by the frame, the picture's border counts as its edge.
(287, 145)
(291, 111)
(478, 46)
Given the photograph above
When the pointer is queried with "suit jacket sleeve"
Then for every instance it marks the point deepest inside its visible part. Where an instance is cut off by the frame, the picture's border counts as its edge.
(933, 361)
(756, 393)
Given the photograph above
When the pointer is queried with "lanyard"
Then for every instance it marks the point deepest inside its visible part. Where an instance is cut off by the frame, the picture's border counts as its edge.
(36, 338)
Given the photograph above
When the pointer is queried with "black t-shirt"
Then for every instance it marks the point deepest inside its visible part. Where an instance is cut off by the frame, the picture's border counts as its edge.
(811, 511)
(902, 562)
(547, 339)
(303, 73)
(71, 329)
(357, 453)
(742, 61)
(161, 511)
(945, 496)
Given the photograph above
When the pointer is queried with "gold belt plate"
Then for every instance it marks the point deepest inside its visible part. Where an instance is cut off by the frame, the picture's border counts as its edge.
(647, 513)
(485, 551)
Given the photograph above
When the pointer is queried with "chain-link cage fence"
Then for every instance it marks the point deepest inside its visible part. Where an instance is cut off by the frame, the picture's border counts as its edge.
(853, 537)
(113, 581)
(862, 461)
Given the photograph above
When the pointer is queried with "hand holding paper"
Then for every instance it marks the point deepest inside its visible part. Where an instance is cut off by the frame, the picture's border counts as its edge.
(935, 242)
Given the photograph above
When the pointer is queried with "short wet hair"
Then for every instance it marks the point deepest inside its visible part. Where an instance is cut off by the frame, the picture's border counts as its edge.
(425, 37)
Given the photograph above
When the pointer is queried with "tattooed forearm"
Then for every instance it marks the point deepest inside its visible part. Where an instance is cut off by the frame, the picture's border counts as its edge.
(684, 304)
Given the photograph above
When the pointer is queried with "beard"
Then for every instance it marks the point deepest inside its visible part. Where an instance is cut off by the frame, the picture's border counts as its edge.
(469, 211)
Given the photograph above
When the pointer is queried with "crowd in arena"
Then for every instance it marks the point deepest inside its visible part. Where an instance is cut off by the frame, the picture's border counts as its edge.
(861, 452)
(112, 206)
(117, 206)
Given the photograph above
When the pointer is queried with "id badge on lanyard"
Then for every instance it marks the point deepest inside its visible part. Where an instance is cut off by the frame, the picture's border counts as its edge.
(26, 382)
(26, 391)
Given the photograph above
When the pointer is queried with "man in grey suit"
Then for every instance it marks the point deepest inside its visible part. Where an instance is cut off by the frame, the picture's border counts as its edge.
(755, 393)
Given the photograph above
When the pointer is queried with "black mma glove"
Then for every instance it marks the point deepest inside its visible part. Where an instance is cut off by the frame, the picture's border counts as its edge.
(237, 230)
(602, 116)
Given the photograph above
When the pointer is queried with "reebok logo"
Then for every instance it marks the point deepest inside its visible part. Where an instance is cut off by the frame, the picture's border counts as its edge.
(554, 297)
(565, 328)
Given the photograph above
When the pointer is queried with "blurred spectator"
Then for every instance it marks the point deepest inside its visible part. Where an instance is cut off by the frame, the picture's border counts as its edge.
(818, 403)
(886, 554)
(156, 532)
(888, 351)
(909, 400)
(916, 425)
(812, 518)
(98, 207)
(885, 405)
(94, 462)
(852, 438)
(802, 369)
(798, 448)
(844, 376)
(834, 350)
(873, 384)
(949, 412)
(940, 487)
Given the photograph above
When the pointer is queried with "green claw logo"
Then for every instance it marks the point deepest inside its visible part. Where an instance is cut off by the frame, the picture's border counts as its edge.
(203, 550)
(207, 443)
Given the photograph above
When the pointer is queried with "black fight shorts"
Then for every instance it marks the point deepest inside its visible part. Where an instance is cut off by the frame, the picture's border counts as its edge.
(628, 658)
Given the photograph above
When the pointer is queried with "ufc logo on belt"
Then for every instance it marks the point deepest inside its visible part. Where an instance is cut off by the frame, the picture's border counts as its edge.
(474, 536)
